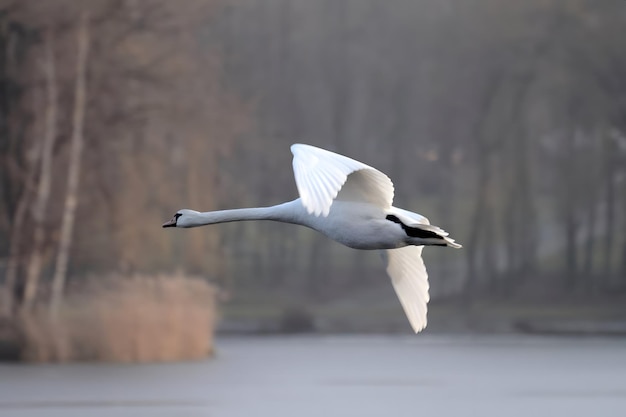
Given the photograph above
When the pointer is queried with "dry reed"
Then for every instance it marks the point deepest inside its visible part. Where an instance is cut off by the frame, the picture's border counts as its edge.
(116, 319)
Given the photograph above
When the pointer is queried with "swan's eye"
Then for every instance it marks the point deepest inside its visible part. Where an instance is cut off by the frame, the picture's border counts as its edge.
(177, 215)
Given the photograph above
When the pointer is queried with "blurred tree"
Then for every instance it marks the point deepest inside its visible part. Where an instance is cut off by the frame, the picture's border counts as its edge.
(40, 203)
(75, 161)
(150, 132)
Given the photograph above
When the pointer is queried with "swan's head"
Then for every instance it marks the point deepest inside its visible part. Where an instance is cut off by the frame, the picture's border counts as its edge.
(183, 218)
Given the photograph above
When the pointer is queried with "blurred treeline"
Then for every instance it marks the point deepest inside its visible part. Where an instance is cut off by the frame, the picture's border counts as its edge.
(111, 115)
(503, 122)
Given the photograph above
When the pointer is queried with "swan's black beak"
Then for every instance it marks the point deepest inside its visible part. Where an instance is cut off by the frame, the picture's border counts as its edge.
(171, 223)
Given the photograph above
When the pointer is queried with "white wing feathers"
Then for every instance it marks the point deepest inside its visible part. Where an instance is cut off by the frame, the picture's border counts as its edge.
(320, 176)
(410, 281)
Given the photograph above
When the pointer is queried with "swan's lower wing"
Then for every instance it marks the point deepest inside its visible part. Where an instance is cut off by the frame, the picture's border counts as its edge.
(321, 175)
(410, 281)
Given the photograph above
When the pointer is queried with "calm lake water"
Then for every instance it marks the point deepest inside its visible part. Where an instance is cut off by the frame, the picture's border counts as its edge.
(340, 376)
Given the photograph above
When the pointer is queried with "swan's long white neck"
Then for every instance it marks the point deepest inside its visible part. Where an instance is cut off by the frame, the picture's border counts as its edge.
(290, 212)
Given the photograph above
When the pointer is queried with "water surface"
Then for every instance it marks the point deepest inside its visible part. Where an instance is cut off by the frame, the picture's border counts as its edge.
(340, 376)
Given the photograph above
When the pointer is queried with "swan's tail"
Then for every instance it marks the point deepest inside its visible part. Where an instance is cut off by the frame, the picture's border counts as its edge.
(451, 243)
(419, 230)
(436, 236)
(430, 235)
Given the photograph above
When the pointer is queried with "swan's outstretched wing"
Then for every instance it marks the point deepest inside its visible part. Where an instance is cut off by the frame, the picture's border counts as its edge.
(321, 175)
(410, 280)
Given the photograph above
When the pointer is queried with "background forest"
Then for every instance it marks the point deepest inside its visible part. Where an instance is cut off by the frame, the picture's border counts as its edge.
(503, 122)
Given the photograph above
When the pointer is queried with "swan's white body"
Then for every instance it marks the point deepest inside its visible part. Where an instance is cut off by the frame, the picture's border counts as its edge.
(349, 202)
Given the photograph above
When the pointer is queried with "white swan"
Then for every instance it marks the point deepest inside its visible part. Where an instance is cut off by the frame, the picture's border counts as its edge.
(349, 202)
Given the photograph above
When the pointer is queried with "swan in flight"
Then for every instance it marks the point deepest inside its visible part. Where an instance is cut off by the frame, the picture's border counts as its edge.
(349, 202)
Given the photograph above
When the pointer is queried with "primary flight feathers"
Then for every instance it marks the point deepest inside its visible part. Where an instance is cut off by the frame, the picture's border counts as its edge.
(321, 174)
